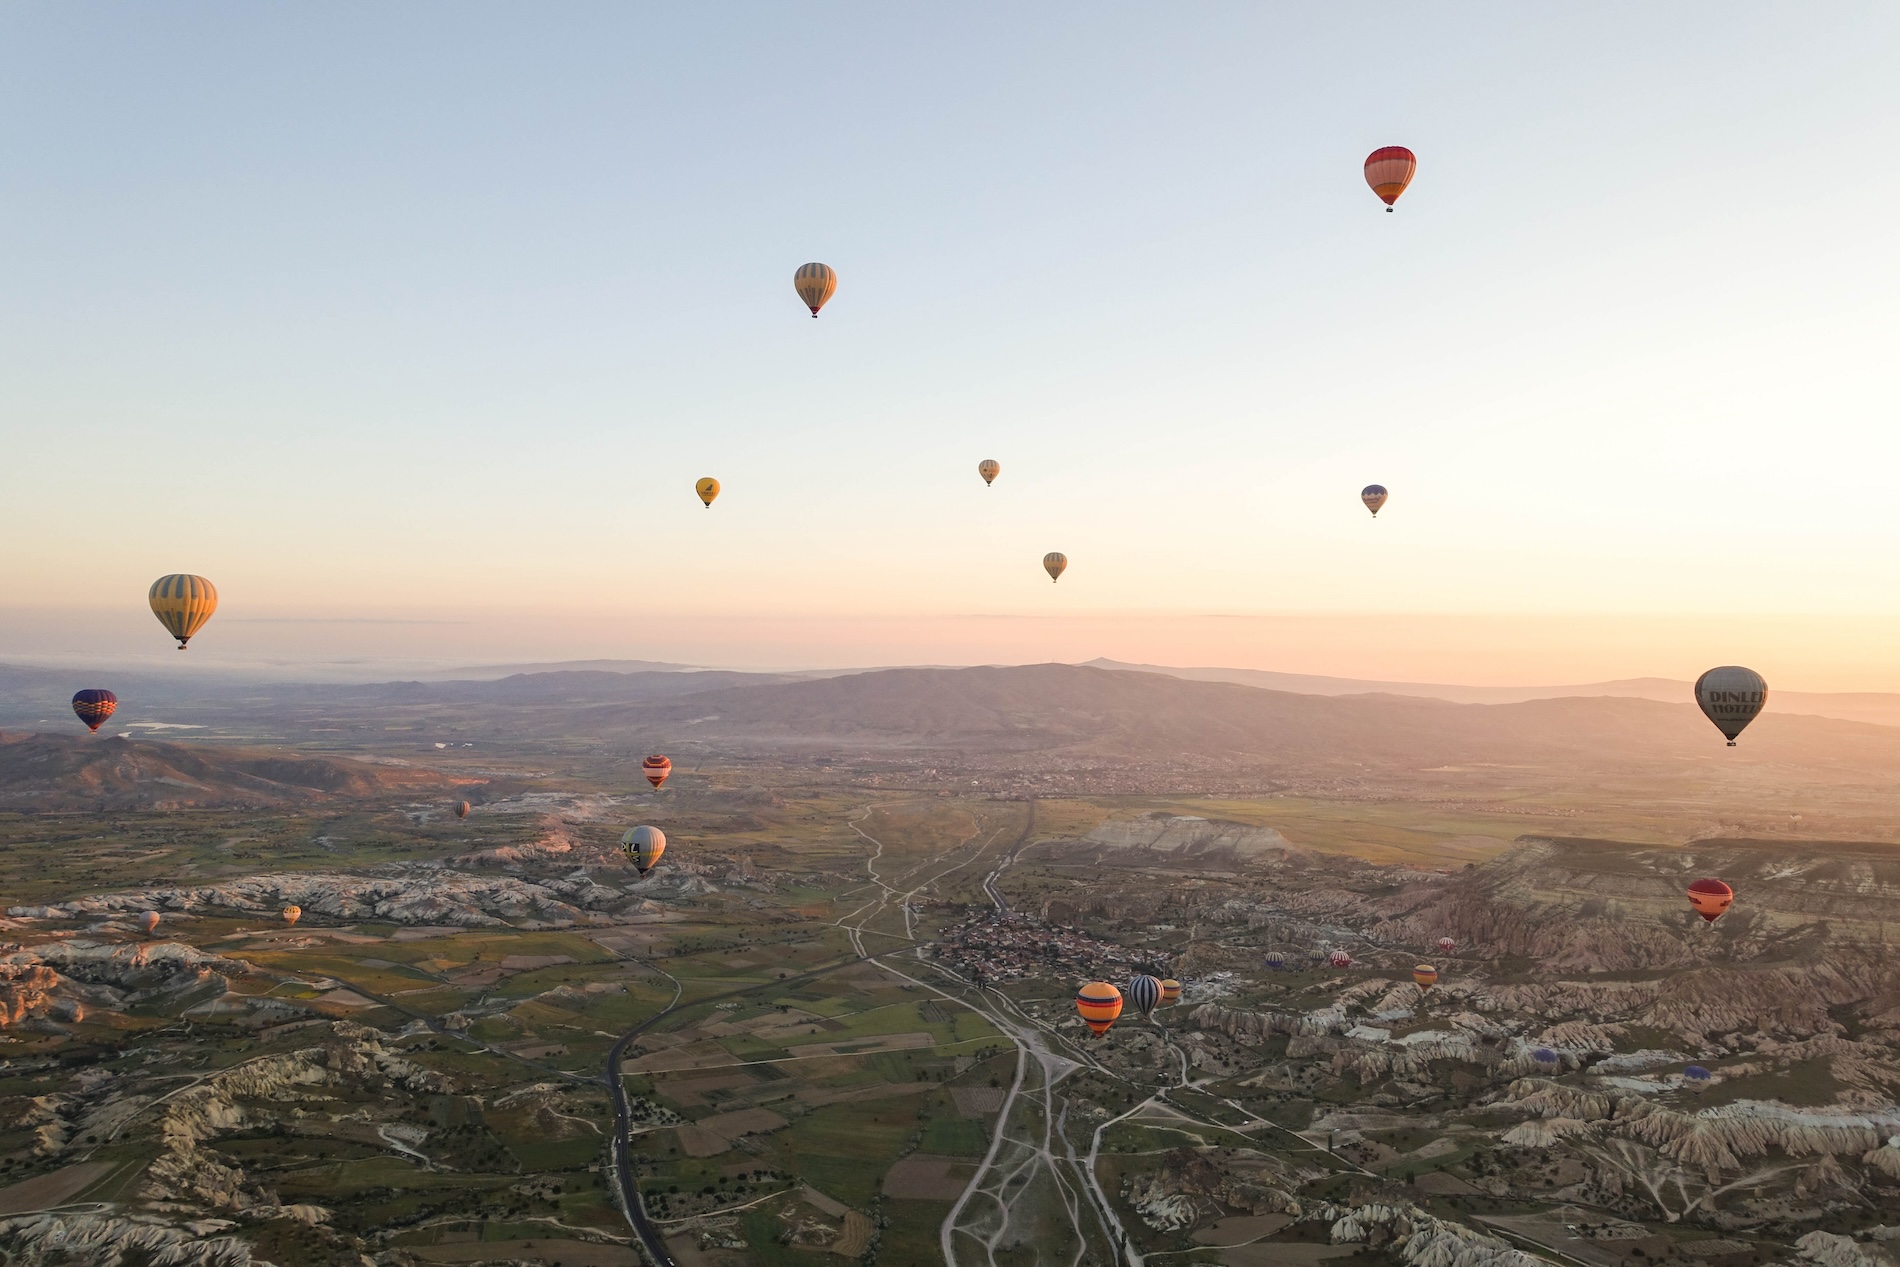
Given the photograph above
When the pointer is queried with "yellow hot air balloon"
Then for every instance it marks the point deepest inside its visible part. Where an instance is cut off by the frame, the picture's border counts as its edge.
(989, 469)
(292, 914)
(815, 284)
(183, 603)
(1055, 565)
(707, 489)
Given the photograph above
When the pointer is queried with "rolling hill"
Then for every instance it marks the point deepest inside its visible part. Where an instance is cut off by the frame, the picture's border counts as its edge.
(55, 773)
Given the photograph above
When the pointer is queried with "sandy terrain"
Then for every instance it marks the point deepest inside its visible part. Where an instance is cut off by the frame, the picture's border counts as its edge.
(47, 1191)
(924, 1177)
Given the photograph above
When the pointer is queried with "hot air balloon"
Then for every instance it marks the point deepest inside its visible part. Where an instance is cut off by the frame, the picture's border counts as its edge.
(182, 604)
(1710, 898)
(1145, 993)
(989, 469)
(815, 284)
(1170, 992)
(1373, 495)
(1055, 565)
(461, 809)
(1275, 960)
(1546, 1058)
(656, 768)
(1098, 1003)
(707, 489)
(94, 706)
(1731, 696)
(148, 922)
(1446, 945)
(1425, 975)
(1389, 170)
(1339, 959)
(292, 914)
(643, 847)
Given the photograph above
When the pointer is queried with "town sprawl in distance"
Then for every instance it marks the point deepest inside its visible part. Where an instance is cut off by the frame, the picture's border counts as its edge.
(837, 1022)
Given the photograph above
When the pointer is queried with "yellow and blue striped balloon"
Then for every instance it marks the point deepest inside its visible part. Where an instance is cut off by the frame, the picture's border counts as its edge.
(183, 603)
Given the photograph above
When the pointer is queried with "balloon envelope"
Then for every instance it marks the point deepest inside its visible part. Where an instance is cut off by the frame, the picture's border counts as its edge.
(1339, 959)
(148, 921)
(1170, 990)
(292, 914)
(1389, 170)
(1710, 898)
(94, 706)
(1373, 495)
(643, 847)
(1425, 975)
(1696, 1073)
(1447, 945)
(815, 284)
(1098, 1003)
(656, 768)
(1055, 564)
(1275, 960)
(707, 488)
(1731, 697)
(989, 469)
(461, 809)
(1144, 992)
(183, 603)
(1545, 1056)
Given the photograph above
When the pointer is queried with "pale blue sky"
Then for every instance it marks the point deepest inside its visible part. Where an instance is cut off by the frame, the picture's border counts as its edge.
(435, 311)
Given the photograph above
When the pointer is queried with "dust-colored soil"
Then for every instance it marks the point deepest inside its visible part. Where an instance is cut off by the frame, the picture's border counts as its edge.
(1283, 1254)
(1240, 1228)
(856, 1238)
(977, 1101)
(538, 1250)
(1439, 1184)
(743, 1122)
(697, 1143)
(924, 1177)
(689, 1056)
(691, 1092)
(43, 1192)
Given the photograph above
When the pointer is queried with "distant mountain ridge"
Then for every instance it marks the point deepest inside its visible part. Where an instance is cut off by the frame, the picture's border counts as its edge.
(1877, 707)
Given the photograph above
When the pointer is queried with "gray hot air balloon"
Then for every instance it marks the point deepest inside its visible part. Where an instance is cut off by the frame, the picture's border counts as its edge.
(1731, 696)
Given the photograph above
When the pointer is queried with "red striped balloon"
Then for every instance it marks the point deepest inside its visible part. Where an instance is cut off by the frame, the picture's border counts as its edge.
(1389, 170)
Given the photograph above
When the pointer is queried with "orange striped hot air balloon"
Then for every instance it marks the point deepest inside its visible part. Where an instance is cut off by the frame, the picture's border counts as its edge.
(292, 914)
(1389, 170)
(1055, 563)
(1425, 975)
(816, 283)
(656, 768)
(1170, 991)
(1710, 898)
(1098, 1003)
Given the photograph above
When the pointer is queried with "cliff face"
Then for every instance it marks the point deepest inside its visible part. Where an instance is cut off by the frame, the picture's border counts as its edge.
(423, 896)
(1600, 906)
